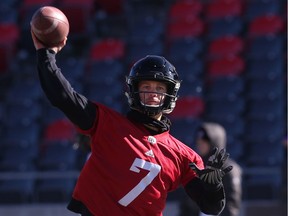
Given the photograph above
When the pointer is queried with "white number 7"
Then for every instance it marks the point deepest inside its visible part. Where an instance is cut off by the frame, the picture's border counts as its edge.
(154, 170)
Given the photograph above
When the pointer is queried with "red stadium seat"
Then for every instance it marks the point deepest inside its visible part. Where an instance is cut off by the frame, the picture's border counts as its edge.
(266, 25)
(226, 66)
(79, 13)
(188, 107)
(192, 27)
(225, 46)
(10, 34)
(112, 7)
(185, 9)
(107, 49)
(59, 130)
(224, 8)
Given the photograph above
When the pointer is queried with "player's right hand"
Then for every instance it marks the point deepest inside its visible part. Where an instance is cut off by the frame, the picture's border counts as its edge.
(39, 45)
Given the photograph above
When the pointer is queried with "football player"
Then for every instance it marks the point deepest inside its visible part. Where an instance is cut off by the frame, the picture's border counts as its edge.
(135, 162)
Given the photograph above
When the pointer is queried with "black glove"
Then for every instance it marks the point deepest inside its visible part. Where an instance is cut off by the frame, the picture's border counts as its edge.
(213, 173)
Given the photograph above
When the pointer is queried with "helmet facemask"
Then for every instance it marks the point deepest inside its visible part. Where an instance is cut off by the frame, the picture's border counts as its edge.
(153, 68)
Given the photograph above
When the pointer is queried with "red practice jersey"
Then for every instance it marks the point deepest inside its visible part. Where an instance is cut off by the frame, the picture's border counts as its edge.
(129, 171)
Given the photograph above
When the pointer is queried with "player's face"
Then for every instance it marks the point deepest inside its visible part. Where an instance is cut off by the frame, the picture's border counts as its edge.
(152, 93)
(203, 147)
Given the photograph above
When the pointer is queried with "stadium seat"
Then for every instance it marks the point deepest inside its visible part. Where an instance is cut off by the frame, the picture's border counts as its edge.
(226, 66)
(185, 48)
(24, 90)
(188, 69)
(226, 46)
(145, 28)
(265, 89)
(188, 107)
(10, 35)
(99, 93)
(230, 87)
(103, 71)
(257, 8)
(267, 152)
(59, 130)
(227, 109)
(54, 190)
(268, 109)
(79, 25)
(234, 126)
(185, 10)
(26, 135)
(224, 8)
(266, 25)
(23, 113)
(193, 27)
(111, 7)
(137, 50)
(225, 27)
(18, 158)
(16, 191)
(262, 186)
(191, 87)
(105, 49)
(266, 47)
(265, 130)
(57, 155)
(265, 68)
(235, 147)
(111, 26)
(184, 129)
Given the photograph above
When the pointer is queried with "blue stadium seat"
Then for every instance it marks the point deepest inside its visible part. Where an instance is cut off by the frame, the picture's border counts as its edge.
(23, 112)
(257, 8)
(188, 69)
(185, 48)
(264, 108)
(54, 190)
(223, 27)
(266, 47)
(226, 87)
(139, 49)
(16, 191)
(185, 130)
(104, 71)
(191, 87)
(265, 130)
(261, 186)
(18, 158)
(264, 88)
(226, 109)
(26, 135)
(143, 28)
(265, 68)
(57, 156)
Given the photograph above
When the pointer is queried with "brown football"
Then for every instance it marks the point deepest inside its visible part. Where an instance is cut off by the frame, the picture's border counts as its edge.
(50, 25)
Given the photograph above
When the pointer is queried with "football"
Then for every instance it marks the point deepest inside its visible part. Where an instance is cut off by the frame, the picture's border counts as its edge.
(50, 25)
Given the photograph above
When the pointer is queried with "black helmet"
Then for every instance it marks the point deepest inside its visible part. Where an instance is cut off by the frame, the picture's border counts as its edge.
(156, 68)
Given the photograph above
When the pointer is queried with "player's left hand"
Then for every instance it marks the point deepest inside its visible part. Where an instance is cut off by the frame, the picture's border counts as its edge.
(214, 171)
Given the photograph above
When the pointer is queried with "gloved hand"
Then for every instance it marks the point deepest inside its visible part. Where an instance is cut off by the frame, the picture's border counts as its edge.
(213, 173)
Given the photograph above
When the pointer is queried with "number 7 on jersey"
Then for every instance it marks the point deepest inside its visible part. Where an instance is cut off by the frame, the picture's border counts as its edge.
(153, 169)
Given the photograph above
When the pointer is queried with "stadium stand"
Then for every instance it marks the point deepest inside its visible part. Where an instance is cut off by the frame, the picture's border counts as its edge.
(230, 55)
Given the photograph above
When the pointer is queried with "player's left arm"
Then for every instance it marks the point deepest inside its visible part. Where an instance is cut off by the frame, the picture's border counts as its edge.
(207, 189)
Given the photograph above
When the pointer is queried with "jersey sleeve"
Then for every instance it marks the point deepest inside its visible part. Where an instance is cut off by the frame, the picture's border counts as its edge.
(190, 156)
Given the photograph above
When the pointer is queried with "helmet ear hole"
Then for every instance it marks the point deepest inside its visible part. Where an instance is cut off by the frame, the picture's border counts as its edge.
(156, 68)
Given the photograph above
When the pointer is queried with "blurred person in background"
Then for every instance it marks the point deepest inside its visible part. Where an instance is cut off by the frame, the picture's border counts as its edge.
(210, 135)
